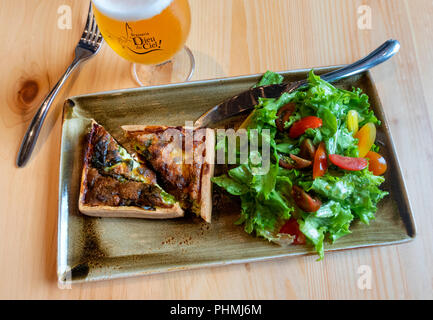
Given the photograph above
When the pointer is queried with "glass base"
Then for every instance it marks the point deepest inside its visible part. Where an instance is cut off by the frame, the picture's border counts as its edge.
(179, 69)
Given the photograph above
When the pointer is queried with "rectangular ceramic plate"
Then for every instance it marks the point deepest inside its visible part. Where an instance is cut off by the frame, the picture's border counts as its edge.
(106, 248)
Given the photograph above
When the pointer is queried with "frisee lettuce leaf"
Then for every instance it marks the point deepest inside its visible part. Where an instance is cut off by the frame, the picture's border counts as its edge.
(266, 198)
(270, 78)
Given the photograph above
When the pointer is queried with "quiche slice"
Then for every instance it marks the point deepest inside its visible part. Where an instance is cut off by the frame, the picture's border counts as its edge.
(114, 184)
(182, 159)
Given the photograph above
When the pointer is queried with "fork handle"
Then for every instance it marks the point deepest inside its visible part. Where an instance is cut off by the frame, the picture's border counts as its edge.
(29, 141)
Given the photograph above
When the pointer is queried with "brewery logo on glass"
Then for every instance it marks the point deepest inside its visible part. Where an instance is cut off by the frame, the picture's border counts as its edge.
(141, 43)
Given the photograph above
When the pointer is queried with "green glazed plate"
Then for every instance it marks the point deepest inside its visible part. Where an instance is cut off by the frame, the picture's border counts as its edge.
(106, 248)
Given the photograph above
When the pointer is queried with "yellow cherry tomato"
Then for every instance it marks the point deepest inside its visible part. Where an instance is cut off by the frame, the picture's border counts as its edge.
(366, 136)
(352, 121)
(247, 121)
(376, 163)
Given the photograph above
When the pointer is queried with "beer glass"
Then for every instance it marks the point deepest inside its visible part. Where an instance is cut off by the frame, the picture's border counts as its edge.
(151, 34)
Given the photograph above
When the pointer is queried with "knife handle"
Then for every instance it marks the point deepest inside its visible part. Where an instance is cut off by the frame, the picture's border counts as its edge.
(248, 99)
(381, 54)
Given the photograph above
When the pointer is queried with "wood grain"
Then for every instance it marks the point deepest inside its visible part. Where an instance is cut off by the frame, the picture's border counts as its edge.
(228, 37)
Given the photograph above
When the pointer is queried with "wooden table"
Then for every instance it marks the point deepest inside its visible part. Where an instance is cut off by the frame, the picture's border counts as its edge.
(228, 37)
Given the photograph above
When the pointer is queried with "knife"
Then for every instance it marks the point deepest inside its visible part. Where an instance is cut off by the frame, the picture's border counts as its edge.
(248, 99)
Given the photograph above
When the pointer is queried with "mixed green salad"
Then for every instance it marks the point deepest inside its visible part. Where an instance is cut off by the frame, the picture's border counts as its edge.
(325, 168)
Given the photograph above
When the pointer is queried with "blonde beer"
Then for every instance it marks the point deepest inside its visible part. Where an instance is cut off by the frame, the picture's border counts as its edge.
(144, 31)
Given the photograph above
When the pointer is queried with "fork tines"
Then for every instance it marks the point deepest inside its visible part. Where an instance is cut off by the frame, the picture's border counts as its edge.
(91, 34)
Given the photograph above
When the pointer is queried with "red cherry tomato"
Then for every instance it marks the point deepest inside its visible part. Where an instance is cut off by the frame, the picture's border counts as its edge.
(320, 163)
(307, 149)
(299, 127)
(292, 227)
(283, 115)
(376, 164)
(297, 162)
(300, 162)
(304, 201)
(285, 164)
(348, 163)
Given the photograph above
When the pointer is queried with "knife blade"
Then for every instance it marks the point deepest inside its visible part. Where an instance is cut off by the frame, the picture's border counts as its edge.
(243, 102)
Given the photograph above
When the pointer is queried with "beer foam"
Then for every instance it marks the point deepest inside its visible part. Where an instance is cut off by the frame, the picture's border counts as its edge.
(131, 10)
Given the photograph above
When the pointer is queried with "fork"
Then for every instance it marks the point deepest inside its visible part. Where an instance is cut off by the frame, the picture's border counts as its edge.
(88, 46)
